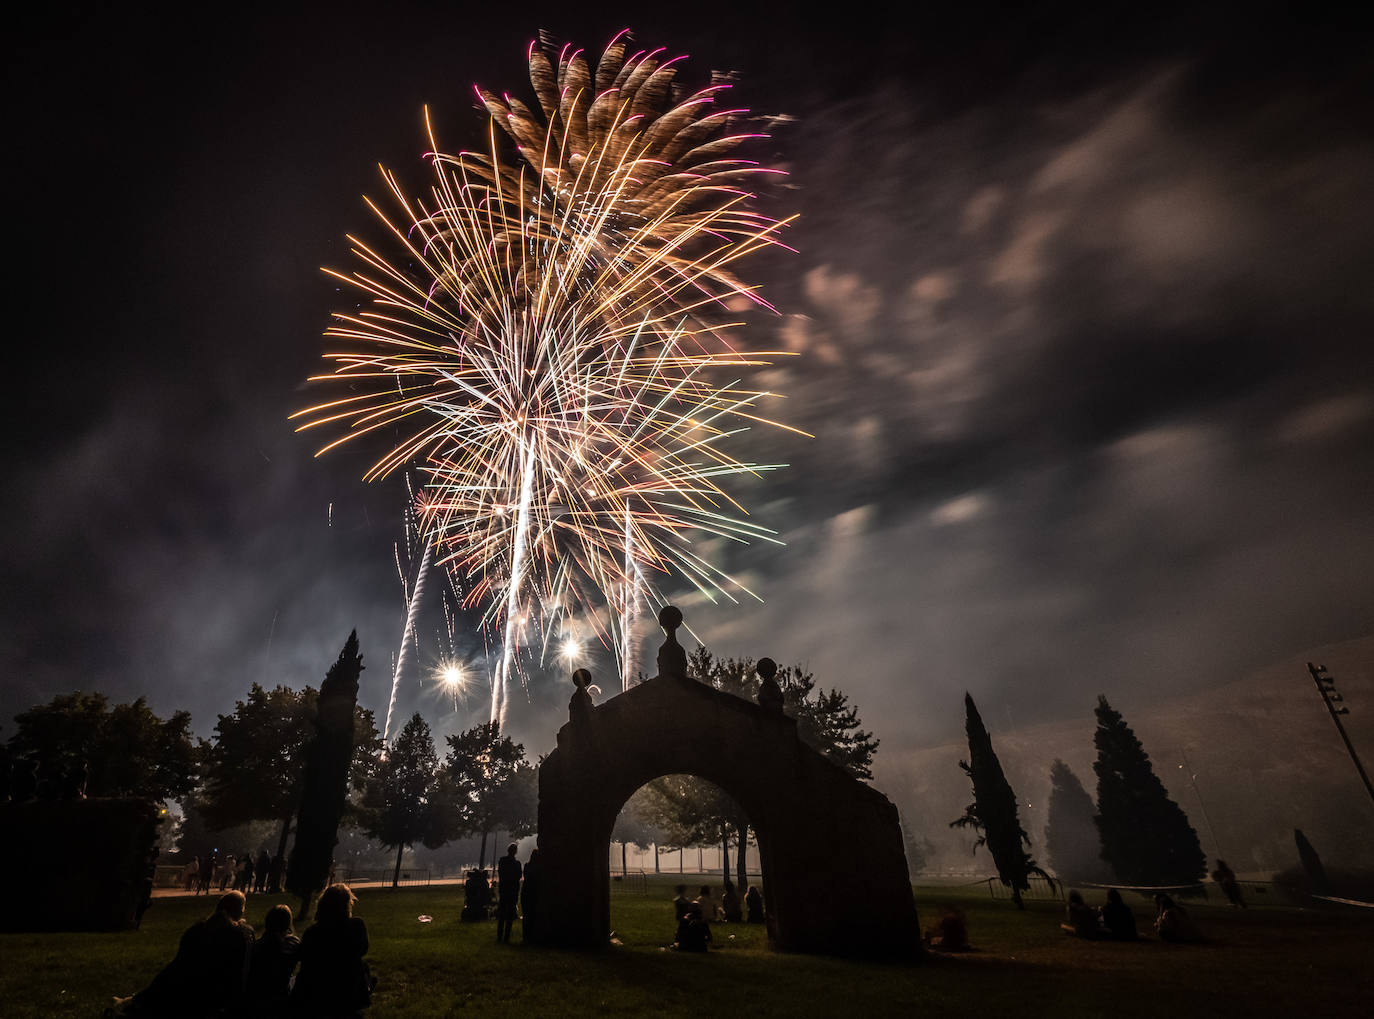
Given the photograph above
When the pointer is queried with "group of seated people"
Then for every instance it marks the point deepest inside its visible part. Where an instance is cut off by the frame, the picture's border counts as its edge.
(222, 970)
(695, 916)
(1115, 922)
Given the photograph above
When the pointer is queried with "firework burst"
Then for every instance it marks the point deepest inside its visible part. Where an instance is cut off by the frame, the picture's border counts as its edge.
(545, 347)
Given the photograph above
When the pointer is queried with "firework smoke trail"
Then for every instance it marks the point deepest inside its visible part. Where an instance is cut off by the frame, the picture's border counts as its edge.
(407, 637)
(544, 348)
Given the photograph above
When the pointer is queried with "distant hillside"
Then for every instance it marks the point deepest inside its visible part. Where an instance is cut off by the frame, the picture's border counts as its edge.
(1266, 756)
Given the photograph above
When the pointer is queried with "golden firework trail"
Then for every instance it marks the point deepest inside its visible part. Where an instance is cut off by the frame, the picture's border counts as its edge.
(545, 345)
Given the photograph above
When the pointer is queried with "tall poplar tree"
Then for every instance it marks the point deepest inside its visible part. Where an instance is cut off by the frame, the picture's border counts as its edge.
(1145, 835)
(324, 790)
(402, 804)
(993, 810)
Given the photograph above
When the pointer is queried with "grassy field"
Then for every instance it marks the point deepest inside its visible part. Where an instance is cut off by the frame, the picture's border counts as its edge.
(1260, 962)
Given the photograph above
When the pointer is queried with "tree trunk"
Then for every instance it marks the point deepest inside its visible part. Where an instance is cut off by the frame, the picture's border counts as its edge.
(1016, 897)
(741, 865)
(725, 852)
(285, 834)
(680, 868)
(655, 857)
(482, 856)
(623, 868)
(396, 875)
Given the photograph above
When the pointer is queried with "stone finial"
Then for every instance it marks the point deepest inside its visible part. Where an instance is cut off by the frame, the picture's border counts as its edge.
(770, 694)
(580, 707)
(672, 659)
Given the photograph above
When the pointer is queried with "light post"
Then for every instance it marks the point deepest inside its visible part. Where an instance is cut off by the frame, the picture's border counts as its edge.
(1326, 686)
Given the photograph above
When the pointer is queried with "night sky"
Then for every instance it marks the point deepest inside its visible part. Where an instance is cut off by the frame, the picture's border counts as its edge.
(1082, 303)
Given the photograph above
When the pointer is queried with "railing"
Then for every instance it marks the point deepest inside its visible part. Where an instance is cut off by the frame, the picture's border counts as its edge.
(1040, 888)
(411, 876)
(632, 883)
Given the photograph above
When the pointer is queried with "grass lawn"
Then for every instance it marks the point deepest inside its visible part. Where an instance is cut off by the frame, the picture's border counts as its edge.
(1265, 961)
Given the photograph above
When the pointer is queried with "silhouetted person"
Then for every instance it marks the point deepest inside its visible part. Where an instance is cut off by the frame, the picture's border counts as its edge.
(190, 874)
(227, 870)
(1117, 918)
(333, 979)
(672, 659)
(206, 976)
(950, 933)
(770, 696)
(244, 881)
(753, 905)
(1225, 877)
(508, 873)
(707, 904)
(693, 931)
(207, 874)
(1082, 918)
(476, 896)
(729, 904)
(580, 707)
(681, 904)
(1173, 923)
(260, 871)
(270, 965)
(529, 892)
(274, 874)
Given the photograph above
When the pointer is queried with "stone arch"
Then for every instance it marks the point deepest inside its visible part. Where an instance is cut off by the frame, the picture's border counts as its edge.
(855, 902)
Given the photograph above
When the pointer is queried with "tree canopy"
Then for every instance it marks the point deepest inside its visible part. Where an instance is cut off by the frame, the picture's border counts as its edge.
(400, 806)
(493, 786)
(1072, 845)
(128, 750)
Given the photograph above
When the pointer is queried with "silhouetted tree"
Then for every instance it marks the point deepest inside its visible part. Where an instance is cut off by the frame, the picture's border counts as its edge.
(1311, 865)
(493, 786)
(1145, 835)
(255, 762)
(993, 811)
(324, 791)
(1072, 845)
(126, 750)
(401, 805)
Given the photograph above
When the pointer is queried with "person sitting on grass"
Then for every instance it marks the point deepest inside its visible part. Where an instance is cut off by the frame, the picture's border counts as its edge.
(476, 897)
(1173, 922)
(693, 932)
(334, 980)
(707, 904)
(729, 904)
(1117, 918)
(205, 978)
(753, 904)
(950, 934)
(270, 966)
(1082, 918)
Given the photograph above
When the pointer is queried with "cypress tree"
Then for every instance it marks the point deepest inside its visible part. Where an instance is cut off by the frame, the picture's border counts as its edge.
(1145, 835)
(993, 810)
(1072, 846)
(324, 788)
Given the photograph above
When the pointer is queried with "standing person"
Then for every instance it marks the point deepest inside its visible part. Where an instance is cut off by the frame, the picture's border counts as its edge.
(270, 965)
(260, 871)
(1226, 878)
(207, 873)
(508, 873)
(274, 874)
(529, 893)
(191, 874)
(245, 878)
(226, 872)
(333, 979)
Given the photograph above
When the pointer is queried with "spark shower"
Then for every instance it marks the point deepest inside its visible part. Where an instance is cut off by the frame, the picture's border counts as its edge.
(544, 342)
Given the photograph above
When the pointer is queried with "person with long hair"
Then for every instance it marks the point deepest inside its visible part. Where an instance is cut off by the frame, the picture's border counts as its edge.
(334, 980)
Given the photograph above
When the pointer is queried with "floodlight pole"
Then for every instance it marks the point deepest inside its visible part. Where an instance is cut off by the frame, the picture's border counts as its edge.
(1326, 687)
